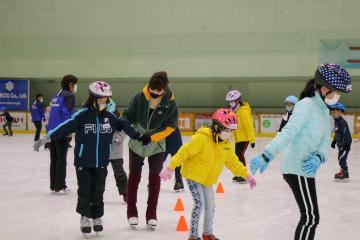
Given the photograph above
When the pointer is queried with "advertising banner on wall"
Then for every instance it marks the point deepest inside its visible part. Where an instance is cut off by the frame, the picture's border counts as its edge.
(14, 94)
(186, 122)
(19, 122)
(270, 123)
(202, 119)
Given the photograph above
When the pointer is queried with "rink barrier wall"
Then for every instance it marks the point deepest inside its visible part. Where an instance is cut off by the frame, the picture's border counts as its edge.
(265, 124)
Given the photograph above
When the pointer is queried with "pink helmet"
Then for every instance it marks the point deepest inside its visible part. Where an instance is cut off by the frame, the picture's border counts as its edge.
(225, 118)
(100, 89)
(233, 95)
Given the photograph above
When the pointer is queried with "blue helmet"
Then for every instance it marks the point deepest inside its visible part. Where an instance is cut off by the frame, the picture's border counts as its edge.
(334, 77)
(111, 106)
(291, 99)
(338, 106)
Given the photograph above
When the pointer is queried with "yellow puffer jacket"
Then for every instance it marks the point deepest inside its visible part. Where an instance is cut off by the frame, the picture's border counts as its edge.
(202, 160)
(245, 131)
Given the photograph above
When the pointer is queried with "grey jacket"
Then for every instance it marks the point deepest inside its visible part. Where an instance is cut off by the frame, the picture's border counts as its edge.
(117, 145)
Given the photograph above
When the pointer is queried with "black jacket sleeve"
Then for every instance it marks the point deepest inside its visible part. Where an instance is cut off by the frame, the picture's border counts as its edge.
(283, 123)
(122, 124)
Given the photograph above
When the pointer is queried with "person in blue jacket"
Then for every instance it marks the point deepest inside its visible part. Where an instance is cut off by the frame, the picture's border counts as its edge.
(37, 115)
(342, 139)
(305, 143)
(173, 144)
(94, 127)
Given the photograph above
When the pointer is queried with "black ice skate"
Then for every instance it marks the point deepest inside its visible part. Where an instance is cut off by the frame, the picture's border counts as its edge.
(239, 180)
(179, 186)
(97, 224)
(85, 225)
(342, 176)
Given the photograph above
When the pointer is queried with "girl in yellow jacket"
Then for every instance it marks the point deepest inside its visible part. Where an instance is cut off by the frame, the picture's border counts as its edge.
(245, 132)
(202, 160)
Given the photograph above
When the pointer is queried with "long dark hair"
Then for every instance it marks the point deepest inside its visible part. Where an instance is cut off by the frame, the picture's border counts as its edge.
(310, 89)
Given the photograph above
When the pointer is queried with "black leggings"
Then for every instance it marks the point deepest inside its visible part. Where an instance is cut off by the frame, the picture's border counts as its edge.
(342, 158)
(240, 149)
(119, 174)
(38, 126)
(304, 191)
(8, 125)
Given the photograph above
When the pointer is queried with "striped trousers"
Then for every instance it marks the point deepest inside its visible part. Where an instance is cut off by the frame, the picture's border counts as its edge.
(304, 191)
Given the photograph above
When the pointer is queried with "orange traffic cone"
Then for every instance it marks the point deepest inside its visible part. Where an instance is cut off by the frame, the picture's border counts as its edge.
(182, 225)
(220, 188)
(179, 207)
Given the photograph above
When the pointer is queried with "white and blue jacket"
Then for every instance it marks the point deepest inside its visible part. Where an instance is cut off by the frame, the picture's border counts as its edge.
(306, 133)
(93, 138)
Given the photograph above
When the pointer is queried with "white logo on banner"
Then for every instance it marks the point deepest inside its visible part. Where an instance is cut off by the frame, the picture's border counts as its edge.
(9, 86)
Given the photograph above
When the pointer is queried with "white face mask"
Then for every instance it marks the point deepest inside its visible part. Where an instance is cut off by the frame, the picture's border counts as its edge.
(75, 88)
(289, 108)
(102, 106)
(331, 99)
(225, 135)
(233, 104)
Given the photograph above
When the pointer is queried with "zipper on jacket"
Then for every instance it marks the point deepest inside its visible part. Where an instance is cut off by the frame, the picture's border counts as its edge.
(149, 119)
(81, 150)
(97, 141)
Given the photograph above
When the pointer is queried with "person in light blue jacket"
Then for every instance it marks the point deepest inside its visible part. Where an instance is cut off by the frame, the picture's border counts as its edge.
(305, 143)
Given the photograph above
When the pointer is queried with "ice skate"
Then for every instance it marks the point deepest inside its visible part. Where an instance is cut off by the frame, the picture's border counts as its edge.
(342, 176)
(209, 237)
(239, 180)
(85, 226)
(151, 224)
(179, 186)
(62, 191)
(133, 221)
(97, 225)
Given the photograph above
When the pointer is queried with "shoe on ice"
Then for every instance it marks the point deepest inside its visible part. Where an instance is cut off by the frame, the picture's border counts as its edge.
(62, 191)
(209, 237)
(85, 224)
(133, 221)
(342, 176)
(97, 224)
(152, 223)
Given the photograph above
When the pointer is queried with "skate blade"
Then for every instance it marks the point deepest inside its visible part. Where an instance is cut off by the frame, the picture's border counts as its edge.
(151, 227)
(86, 235)
(179, 190)
(133, 226)
(342, 180)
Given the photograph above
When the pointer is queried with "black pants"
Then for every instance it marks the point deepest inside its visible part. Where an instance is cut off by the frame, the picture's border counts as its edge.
(58, 153)
(119, 174)
(38, 126)
(240, 149)
(172, 152)
(342, 158)
(8, 125)
(91, 187)
(304, 191)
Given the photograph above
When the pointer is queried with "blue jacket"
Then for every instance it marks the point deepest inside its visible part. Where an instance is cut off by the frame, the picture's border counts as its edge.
(342, 133)
(173, 141)
(306, 133)
(93, 136)
(62, 107)
(37, 112)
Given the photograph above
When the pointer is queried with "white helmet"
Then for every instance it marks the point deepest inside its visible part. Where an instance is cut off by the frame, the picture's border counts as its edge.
(100, 89)
(233, 95)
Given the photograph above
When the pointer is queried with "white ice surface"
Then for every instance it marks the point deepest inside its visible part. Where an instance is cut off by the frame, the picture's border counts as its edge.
(29, 211)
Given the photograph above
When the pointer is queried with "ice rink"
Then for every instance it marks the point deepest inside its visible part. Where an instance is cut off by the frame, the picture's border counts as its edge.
(29, 211)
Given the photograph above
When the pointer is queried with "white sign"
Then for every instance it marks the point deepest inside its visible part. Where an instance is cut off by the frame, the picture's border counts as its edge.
(270, 123)
(19, 122)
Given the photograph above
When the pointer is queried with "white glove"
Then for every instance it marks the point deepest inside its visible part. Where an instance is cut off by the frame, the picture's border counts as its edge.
(41, 142)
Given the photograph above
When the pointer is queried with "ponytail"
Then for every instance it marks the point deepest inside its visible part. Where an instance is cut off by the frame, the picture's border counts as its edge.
(310, 89)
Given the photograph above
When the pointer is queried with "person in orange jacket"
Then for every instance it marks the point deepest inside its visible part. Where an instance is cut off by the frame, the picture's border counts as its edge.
(245, 132)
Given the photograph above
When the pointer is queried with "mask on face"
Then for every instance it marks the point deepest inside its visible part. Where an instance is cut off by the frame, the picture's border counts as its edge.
(225, 135)
(75, 88)
(154, 95)
(331, 100)
(102, 106)
(233, 104)
(41, 100)
(289, 108)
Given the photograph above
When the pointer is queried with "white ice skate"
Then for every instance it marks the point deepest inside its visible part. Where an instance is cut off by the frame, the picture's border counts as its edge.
(97, 225)
(62, 191)
(85, 226)
(151, 224)
(133, 221)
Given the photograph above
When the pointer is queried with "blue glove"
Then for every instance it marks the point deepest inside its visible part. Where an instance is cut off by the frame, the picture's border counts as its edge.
(311, 164)
(260, 162)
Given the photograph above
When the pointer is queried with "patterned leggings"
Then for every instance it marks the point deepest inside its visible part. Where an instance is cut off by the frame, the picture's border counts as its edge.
(203, 198)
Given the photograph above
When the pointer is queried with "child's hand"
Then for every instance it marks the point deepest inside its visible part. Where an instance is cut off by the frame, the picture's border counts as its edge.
(166, 173)
(251, 180)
